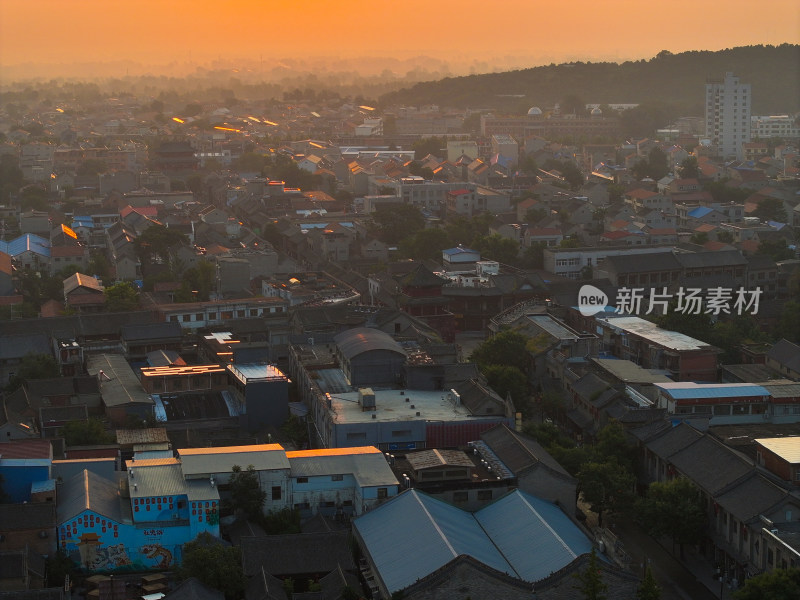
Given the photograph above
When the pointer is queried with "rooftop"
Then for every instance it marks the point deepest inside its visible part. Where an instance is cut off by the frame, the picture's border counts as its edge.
(787, 448)
(671, 340)
(204, 461)
(118, 383)
(398, 405)
(690, 389)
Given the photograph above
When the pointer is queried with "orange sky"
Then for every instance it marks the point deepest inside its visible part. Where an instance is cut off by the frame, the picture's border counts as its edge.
(164, 31)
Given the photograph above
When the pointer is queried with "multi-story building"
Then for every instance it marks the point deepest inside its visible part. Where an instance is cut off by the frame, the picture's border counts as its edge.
(774, 126)
(728, 105)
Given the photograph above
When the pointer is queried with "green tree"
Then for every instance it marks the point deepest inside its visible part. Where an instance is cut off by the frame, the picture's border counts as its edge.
(505, 348)
(673, 508)
(789, 322)
(590, 580)
(778, 584)
(250, 162)
(11, 177)
(613, 445)
(776, 249)
(279, 522)
(725, 237)
(216, 565)
(397, 221)
(33, 366)
(607, 487)
(699, 238)
(497, 247)
(33, 197)
(689, 168)
(121, 297)
(430, 145)
(770, 209)
(99, 266)
(91, 166)
(86, 433)
(508, 380)
(426, 244)
(535, 214)
(155, 241)
(533, 256)
(247, 497)
(649, 588)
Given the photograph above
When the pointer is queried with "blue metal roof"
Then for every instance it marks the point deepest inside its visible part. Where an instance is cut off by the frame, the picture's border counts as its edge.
(458, 250)
(534, 535)
(680, 391)
(29, 241)
(699, 212)
(414, 534)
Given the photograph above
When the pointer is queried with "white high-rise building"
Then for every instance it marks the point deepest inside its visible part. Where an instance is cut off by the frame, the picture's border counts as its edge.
(728, 105)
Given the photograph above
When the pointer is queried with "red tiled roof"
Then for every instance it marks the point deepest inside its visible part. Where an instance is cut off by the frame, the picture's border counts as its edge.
(26, 449)
(63, 251)
(663, 231)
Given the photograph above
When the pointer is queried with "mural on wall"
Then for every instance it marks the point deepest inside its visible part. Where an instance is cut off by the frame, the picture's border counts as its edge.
(94, 557)
(159, 553)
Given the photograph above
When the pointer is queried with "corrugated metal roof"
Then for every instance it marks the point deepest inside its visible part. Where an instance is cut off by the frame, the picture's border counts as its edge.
(118, 384)
(357, 340)
(163, 477)
(689, 389)
(203, 461)
(26, 242)
(88, 491)
(534, 535)
(414, 534)
(788, 448)
(368, 468)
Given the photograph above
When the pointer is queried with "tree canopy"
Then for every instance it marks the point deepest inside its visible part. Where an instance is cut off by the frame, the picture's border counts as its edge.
(247, 497)
(673, 508)
(590, 580)
(215, 564)
(778, 584)
(122, 297)
(506, 348)
(85, 433)
(33, 366)
(395, 222)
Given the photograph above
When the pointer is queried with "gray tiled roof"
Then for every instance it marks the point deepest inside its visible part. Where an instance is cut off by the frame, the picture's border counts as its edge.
(752, 497)
(710, 464)
(297, 553)
(518, 452)
(674, 440)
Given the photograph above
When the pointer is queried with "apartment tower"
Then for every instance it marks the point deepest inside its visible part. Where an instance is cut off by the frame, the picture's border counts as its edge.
(728, 105)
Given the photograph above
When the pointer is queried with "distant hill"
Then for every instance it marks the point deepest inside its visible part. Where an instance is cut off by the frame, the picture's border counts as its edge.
(672, 79)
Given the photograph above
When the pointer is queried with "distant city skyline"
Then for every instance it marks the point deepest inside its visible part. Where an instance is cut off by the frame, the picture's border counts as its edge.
(48, 38)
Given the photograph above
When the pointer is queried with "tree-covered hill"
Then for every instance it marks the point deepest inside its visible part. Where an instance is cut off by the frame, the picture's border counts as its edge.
(674, 79)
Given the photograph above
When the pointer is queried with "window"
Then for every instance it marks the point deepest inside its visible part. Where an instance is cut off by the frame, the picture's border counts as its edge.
(460, 497)
(198, 317)
(276, 492)
(382, 493)
(337, 477)
(484, 495)
(401, 433)
(212, 316)
(302, 480)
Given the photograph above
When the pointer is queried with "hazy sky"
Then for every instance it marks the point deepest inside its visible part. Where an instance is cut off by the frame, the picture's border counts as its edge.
(165, 31)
